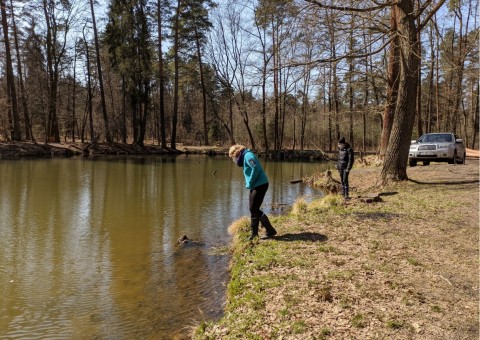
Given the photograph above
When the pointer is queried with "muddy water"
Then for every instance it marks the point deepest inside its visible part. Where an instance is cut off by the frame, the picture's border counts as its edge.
(88, 248)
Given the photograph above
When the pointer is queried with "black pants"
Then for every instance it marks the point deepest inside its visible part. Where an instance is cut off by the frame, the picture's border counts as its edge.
(344, 177)
(255, 200)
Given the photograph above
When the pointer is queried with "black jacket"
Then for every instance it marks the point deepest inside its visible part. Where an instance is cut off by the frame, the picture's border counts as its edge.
(345, 158)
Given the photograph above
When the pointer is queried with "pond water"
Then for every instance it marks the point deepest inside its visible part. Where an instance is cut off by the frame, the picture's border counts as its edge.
(88, 248)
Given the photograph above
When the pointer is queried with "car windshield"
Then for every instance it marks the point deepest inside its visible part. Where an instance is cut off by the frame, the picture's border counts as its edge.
(436, 138)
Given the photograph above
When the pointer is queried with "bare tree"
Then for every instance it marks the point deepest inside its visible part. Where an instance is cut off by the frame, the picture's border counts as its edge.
(23, 96)
(108, 135)
(13, 115)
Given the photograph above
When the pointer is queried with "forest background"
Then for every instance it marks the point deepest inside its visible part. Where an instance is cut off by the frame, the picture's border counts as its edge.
(271, 74)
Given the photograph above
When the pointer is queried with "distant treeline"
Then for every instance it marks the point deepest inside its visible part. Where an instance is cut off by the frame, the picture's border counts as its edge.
(271, 74)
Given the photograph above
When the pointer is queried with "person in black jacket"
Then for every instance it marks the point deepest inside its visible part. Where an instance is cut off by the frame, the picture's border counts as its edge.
(344, 164)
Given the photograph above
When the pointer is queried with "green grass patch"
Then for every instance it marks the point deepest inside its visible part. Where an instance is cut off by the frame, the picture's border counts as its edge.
(359, 321)
(395, 324)
(299, 327)
(324, 333)
(340, 275)
(329, 249)
(414, 262)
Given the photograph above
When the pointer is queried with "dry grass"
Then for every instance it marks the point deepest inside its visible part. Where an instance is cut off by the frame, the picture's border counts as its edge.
(404, 268)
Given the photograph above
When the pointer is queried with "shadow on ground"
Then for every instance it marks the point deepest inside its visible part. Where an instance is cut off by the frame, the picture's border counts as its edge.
(444, 182)
(375, 216)
(306, 236)
(391, 193)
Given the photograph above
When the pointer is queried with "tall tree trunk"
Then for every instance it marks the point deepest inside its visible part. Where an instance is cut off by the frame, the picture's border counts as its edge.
(145, 111)
(74, 94)
(395, 164)
(330, 110)
(460, 67)
(16, 133)
(204, 89)
(53, 131)
(124, 112)
(364, 113)
(276, 126)
(336, 100)
(419, 86)
(476, 114)
(428, 127)
(26, 115)
(176, 38)
(264, 98)
(90, 94)
(351, 99)
(161, 76)
(108, 135)
(393, 75)
(230, 117)
(305, 103)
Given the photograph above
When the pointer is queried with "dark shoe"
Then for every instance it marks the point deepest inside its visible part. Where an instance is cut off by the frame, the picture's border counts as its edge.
(254, 226)
(268, 226)
(267, 236)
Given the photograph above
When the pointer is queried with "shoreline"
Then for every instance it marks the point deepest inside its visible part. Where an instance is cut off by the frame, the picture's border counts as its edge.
(22, 150)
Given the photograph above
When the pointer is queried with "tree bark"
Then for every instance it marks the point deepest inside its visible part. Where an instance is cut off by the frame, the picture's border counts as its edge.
(276, 138)
(204, 90)
(161, 76)
(419, 86)
(90, 94)
(392, 85)
(26, 115)
(395, 164)
(16, 134)
(108, 135)
(53, 131)
(176, 38)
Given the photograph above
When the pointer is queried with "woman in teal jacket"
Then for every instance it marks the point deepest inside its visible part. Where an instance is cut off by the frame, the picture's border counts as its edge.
(257, 182)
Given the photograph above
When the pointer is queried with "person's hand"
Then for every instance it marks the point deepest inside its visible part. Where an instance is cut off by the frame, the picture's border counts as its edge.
(347, 170)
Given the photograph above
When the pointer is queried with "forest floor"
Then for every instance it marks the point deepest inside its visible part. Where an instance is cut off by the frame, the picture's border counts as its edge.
(406, 267)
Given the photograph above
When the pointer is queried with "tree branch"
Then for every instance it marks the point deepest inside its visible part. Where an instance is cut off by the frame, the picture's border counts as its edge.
(352, 9)
(431, 14)
(347, 56)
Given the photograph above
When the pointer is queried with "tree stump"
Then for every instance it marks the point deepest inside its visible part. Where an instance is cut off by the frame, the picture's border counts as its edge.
(329, 184)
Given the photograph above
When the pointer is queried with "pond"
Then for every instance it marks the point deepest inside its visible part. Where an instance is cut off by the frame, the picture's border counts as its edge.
(88, 248)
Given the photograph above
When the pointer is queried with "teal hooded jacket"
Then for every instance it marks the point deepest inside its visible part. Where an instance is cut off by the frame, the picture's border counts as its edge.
(252, 170)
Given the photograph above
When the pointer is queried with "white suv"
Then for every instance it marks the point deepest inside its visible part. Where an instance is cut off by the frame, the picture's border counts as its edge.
(437, 147)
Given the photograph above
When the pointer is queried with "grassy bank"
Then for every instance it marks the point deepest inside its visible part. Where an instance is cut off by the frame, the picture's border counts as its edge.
(403, 268)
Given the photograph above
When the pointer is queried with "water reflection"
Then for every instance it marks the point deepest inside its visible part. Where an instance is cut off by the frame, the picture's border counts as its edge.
(88, 248)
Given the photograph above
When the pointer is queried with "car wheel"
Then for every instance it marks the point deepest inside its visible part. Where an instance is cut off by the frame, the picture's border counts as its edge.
(426, 162)
(454, 158)
(412, 162)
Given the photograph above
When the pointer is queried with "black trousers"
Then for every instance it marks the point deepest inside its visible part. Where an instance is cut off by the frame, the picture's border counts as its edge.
(255, 200)
(344, 177)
